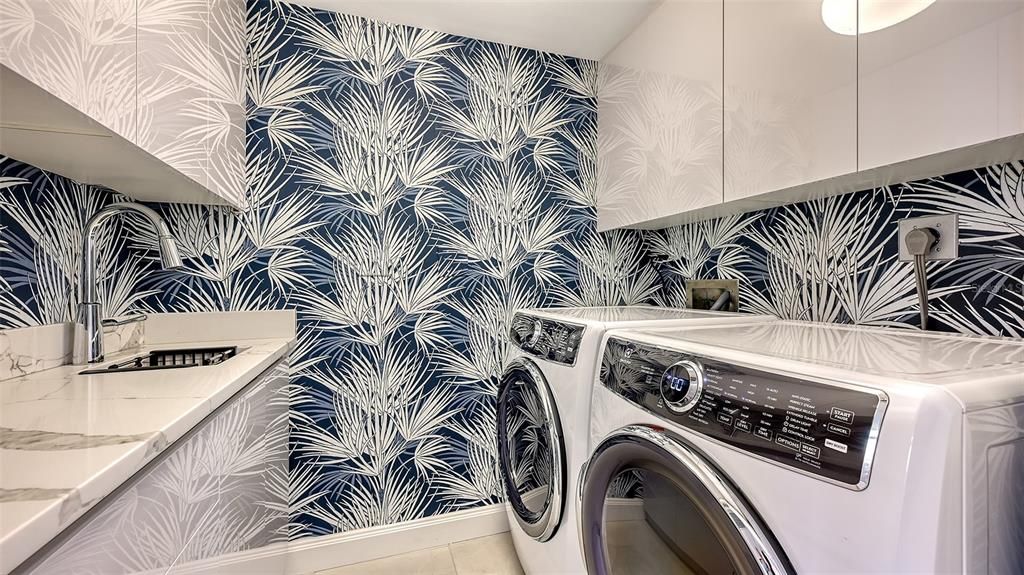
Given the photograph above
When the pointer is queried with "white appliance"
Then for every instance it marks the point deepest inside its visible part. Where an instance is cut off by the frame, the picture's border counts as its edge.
(791, 447)
(543, 415)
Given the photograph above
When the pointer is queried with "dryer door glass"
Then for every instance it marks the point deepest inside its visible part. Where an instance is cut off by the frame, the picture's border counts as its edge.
(530, 449)
(651, 503)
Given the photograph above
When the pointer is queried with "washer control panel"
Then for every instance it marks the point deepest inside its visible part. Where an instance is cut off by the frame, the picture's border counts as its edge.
(825, 430)
(547, 339)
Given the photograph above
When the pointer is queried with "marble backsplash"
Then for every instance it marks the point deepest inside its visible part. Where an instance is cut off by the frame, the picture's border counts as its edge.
(30, 349)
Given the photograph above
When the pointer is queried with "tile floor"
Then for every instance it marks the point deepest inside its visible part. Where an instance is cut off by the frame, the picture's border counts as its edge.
(492, 555)
(634, 547)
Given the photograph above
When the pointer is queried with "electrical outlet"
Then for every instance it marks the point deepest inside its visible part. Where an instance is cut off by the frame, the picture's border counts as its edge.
(946, 226)
(702, 294)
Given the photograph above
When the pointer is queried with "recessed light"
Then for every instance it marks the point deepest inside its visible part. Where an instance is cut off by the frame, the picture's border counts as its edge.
(841, 15)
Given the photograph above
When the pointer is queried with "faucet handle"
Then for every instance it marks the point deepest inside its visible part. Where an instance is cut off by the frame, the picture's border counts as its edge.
(124, 320)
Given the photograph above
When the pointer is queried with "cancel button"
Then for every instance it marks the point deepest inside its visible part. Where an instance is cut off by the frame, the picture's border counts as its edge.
(838, 429)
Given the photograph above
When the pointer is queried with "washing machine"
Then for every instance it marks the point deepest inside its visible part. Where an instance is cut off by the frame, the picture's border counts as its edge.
(543, 414)
(793, 447)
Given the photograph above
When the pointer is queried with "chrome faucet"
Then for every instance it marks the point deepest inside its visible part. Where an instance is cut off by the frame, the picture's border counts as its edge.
(89, 327)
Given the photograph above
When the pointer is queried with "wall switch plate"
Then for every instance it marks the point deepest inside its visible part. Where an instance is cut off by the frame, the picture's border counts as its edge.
(947, 226)
(702, 294)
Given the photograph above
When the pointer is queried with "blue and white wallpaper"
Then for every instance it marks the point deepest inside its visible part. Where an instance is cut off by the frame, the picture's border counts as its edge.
(835, 259)
(409, 190)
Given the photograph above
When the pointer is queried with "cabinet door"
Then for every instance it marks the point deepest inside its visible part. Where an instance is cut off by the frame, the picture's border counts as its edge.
(790, 96)
(659, 117)
(82, 51)
(226, 100)
(191, 92)
(221, 490)
(1011, 72)
(944, 78)
(247, 449)
(147, 525)
(173, 90)
(244, 448)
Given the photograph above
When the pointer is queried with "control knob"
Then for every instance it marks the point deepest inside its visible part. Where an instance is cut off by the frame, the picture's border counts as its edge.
(681, 386)
(538, 330)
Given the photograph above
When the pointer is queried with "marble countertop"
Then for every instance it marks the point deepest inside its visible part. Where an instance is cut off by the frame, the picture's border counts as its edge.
(68, 440)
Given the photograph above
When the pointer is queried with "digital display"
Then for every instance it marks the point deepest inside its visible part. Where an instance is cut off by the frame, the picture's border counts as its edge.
(675, 383)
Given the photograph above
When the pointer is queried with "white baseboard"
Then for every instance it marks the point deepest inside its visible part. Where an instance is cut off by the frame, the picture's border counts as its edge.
(312, 554)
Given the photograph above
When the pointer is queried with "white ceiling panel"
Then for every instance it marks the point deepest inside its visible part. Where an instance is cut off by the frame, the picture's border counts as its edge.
(583, 28)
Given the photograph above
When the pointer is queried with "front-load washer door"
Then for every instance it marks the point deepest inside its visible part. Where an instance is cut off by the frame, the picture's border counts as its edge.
(652, 503)
(530, 449)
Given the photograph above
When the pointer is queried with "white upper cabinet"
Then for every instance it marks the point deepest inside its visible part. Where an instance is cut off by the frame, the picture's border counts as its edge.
(143, 96)
(814, 98)
(790, 96)
(174, 58)
(1011, 73)
(660, 117)
(945, 78)
(191, 98)
(81, 51)
(225, 139)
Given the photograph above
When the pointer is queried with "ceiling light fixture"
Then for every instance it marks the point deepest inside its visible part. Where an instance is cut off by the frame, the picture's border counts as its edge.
(841, 15)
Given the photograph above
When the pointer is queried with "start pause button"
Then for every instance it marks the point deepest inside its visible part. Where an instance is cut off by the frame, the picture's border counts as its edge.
(842, 415)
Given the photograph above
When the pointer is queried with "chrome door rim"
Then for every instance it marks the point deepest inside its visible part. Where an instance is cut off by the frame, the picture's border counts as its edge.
(544, 526)
(757, 540)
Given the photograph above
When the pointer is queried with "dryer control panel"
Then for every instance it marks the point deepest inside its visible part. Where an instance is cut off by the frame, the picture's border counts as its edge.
(827, 430)
(547, 339)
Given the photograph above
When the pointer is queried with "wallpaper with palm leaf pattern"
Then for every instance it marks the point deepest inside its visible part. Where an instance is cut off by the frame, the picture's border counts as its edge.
(835, 259)
(408, 191)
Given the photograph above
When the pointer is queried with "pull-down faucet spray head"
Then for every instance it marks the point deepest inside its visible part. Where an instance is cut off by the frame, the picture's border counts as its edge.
(89, 327)
(169, 258)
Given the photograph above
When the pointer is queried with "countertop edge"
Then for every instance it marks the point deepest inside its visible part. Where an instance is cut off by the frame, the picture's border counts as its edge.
(61, 512)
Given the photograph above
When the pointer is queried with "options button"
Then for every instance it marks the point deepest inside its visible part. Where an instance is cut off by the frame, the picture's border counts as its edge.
(788, 442)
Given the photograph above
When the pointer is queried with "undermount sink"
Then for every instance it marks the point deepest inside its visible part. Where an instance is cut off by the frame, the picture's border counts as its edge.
(169, 359)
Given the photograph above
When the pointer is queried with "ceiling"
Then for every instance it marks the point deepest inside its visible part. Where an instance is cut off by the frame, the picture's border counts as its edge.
(583, 28)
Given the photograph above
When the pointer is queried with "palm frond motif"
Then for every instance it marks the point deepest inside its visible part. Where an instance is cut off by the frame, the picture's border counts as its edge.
(377, 149)
(990, 204)
(190, 91)
(47, 215)
(835, 259)
(607, 269)
(475, 479)
(579, 77)
(437, 167)
(406, 192)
